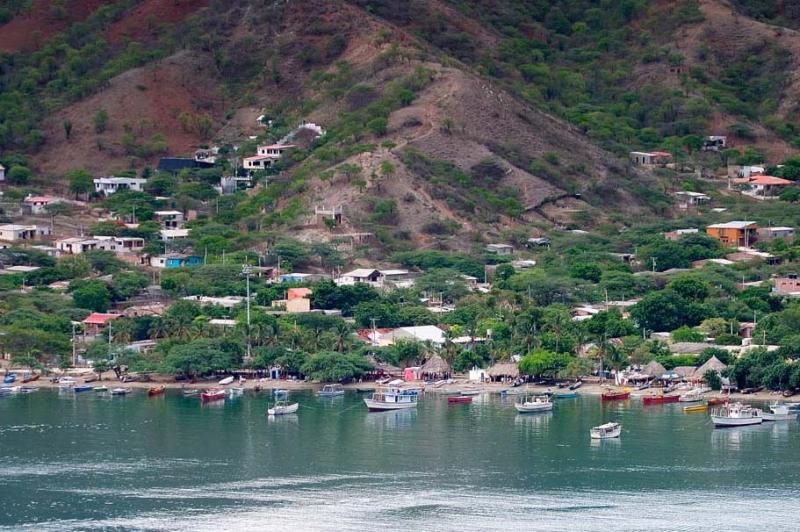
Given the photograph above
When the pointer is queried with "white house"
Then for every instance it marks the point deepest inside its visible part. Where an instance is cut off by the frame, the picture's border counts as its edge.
(688, 198)
(423, 333)
(169, 219)
(16, 233)
(37, 204)
(174, 234)
(78, 245)
(110, 185)
(265, 156)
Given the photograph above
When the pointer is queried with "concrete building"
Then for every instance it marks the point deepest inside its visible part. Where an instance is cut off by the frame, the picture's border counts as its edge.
(736, 233)
(18, 233)
(110, 185)
(169, 219)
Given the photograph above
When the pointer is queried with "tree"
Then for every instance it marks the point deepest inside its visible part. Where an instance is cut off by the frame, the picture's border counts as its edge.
(201, 357)
(542, 363)
(67, 128)
(330, 366)
(665, 310)
(19, 175)
(92, 295)
(100, 121)
(80, 182)
(687, 334)
(586, 270)
(690, 287)
(712, 379)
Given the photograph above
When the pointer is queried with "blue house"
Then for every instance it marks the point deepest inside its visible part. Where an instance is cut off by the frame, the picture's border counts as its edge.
(175, 260)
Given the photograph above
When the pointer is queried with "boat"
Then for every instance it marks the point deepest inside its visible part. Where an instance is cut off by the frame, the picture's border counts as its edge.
(101, 389)
(644, 386)
(778, 412)
(191, 392)
(85, 388)
(736, 415)
(605, 431)
(226, 381)
(513, 391)
(540, 403)
(280, 391)
(212, 395)
(470, 392)
(695, 408)
(459, 399)
(659, 399)
(7, 390)
(714, 401)
(692, 396)
(391, 399)
(331, 390)
(576, 385)
(90, 378)
(30, 377)
(10, 378)
(365, 390)
(282, 407)
(788, 393)
(236, 391)
(565, 395)
(156, 390)
(120, 391)
(755, 389)
(28, 389)
(615, 395)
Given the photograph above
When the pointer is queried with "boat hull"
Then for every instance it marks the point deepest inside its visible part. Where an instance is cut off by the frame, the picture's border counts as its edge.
(156, 391)
(565, 395)
(597, 433)
(720, 421)
(615, 396)
(331, 394)
(778, 417)
(459, 399)
(696, 408)
(379, 406)
(532, 409)
(660, 399)
(211, 397)
(283, 409)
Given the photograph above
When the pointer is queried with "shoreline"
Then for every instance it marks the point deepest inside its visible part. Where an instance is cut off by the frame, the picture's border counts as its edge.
(590, 389)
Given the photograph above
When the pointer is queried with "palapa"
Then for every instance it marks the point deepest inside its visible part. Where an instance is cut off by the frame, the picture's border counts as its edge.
(384, 367)
(504, 369)
(712, 363)
(654, 369)
(435, 364)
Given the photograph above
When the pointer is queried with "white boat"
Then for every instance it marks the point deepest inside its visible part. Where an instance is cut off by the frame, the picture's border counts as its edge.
(120, 391)
(608, 430)
(469, 392)
(283, 407)
(66, 383)
(540, 403)
(391, 399)
(235, 391)
(779, 412)
(736, 415)
(692, 396)
(226, 380)
(331, 390)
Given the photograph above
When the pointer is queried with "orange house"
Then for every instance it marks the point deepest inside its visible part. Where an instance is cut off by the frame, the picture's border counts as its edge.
(739, 234)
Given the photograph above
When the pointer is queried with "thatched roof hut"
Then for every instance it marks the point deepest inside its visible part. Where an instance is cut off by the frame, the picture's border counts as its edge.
(384, 367)
(654, 369)
(685, 372)
(712, 363)
(504, 369)
(435, 365)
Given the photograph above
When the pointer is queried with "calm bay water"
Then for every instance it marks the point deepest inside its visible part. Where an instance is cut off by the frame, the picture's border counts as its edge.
(96, 462)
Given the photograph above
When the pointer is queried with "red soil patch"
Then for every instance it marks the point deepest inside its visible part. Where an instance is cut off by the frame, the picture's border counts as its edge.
(29, 30)
(143, 21)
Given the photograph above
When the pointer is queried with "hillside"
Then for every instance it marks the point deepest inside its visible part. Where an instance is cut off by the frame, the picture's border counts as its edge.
(449, 123)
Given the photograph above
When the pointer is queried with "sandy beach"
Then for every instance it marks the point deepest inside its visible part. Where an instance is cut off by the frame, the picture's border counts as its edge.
(109, 379)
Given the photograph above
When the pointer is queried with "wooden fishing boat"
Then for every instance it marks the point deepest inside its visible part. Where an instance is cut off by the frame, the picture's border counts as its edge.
(540, 403)
(10, 378)
(716, 401)
(212, 395)
(120, 391)
(100, 389)
(31, 377)
(459, 399)
(90, 378)
(565, 395)
(615, 395)
(576, 385)
(659, 399)
(778, 412)
(470, 392)
(191, 392)
(78, 389)
(695, 409)
(331, 390)
(736, 415)
(156, 390)
(391, 399)
(282, 408)
(226, 381)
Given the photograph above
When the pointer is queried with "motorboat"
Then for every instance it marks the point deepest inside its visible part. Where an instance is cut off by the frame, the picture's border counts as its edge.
(458, 399)
(540, 403)
(692, 396)
(778, 412)
(66, 383)
(331, 390)
(736, 415)
(8, 390)
(615, 395)
(575, 385)
(226, 381)
(10, 378)
(469, 392)
(191, 392)
(30, 377)
(391, 399)
(212, 395)
(101, 389)
(565, 395)
(658, 399)
(28, 389)
(606, 431)
(85, 388)
(120, 391)
(283, 407)
(156, 390)
(236, 391)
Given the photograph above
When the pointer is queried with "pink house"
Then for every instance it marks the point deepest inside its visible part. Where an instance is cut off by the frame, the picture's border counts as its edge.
(412, 374)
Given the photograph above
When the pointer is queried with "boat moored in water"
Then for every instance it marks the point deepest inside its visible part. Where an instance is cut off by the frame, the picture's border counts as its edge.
(778, 412)
(736, 415)
(565, 395)
(156, 390)
(331, 390)
(120, 391)
(695, 409)
(692, 396)
(615, 395)
(212, 395)
(540, 403)
(283, 407)
(101, 389)
(659, 399)
(457, 399)
(84, 388)
(605, 431)
(392, 399)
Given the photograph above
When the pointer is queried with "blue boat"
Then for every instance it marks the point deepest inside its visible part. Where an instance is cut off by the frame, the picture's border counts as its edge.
(11, 377)
(83, 389)
(565, 395)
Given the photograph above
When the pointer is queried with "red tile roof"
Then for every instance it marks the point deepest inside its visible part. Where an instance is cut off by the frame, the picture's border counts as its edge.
(99, 318)
(768, 180)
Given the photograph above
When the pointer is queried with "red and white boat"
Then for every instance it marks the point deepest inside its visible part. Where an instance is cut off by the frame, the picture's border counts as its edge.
(659, 399)
(459, 399)
(212, 395)
(160, 390)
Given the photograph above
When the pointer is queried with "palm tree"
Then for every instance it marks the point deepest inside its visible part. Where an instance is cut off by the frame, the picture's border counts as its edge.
(158, 328)
(342, 337)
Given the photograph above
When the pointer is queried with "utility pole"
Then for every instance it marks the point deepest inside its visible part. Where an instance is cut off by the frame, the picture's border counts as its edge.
(247, 270)
(654, 263)
(74, 349)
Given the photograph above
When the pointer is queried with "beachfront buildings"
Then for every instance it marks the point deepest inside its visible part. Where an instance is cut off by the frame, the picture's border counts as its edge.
(736, 233)
(109, 185)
